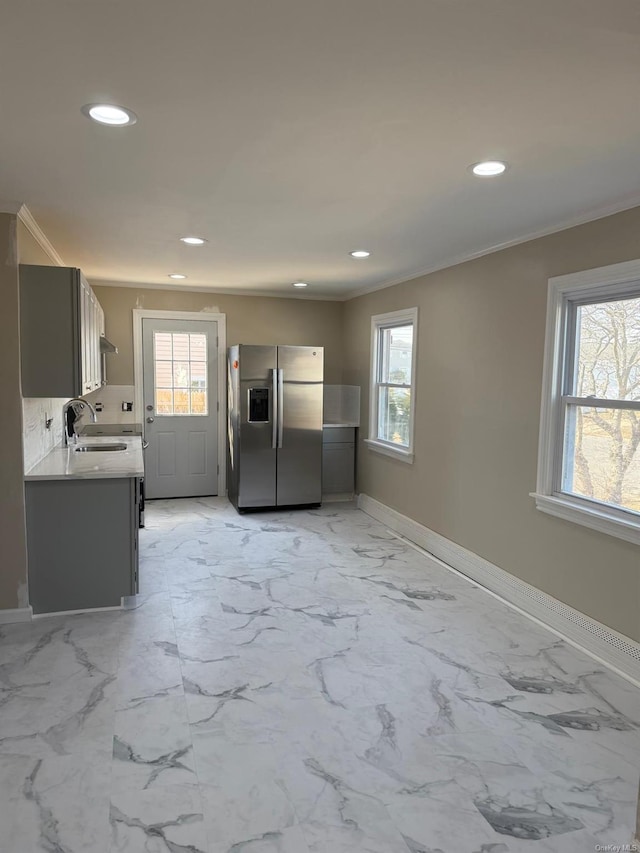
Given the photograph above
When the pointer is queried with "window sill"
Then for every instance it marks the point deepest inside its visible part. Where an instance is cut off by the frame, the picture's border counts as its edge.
(594, 516)
(389, 450)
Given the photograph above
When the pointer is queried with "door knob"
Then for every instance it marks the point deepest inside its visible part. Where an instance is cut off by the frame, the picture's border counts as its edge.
(149, 420)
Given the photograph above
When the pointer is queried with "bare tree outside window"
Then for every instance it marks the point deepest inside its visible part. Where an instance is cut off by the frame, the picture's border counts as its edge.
(603, 461)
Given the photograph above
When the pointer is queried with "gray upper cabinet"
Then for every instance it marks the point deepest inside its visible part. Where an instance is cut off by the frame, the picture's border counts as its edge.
(60, 325)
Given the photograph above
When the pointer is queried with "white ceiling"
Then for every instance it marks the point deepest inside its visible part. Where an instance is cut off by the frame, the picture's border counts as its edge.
(288, 132)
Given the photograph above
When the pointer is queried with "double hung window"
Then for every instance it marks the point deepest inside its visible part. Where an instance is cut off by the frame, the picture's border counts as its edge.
(393, 367)
(589, 462)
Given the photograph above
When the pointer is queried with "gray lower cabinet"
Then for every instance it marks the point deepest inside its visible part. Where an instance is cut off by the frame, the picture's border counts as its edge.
(82, 539)
(338, 460)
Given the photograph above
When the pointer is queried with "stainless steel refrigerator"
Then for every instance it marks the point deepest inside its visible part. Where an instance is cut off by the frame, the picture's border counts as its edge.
(275, 426)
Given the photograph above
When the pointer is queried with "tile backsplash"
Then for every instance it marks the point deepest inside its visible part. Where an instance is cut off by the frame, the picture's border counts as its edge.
(37, 439)
(112, 397)
(342, 404)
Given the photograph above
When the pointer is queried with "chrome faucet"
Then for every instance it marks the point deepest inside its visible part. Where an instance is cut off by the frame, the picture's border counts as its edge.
(80, 403)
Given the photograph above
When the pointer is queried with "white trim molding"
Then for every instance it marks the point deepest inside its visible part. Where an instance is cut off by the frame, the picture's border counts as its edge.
(391, 450)
(602, 643)
(589, 514)
(140, 314)
(223, 291)
(379, 322)
(17, 614)
(26, 217)
(596, 213)
(615, 282)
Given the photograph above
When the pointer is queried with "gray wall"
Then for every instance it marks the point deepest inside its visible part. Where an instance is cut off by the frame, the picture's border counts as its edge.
(13, 560)
(480, 357)
(37, 440)
(19, 445)
(250, 320)
(478, 401)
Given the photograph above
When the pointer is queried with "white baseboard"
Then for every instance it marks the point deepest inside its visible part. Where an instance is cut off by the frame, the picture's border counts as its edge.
(337, 497)
(614, 650)
(18, 614)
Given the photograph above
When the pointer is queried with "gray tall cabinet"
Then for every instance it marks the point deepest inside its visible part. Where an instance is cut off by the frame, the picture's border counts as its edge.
(61, 322)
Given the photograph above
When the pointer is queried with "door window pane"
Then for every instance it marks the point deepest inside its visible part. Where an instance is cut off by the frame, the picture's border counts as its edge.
(164, 401)
(198, 374)
(198, 403)
(180, 370)
(602, 455)
(180, 346)
(180, 402)
(198, 347)
(394, 413)
(163, 345)
(180, 374)
(163, 374)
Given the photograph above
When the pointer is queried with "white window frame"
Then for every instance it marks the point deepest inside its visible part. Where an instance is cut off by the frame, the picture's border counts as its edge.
(611, 282)
(380, 322)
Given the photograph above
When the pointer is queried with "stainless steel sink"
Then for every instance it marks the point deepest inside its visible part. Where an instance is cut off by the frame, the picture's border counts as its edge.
(100, 448)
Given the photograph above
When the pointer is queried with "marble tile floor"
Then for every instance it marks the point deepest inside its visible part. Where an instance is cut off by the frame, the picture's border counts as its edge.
(304, 682)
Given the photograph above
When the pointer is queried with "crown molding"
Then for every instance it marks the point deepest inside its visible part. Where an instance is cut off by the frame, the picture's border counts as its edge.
(26, 217)
(222, 291)
(591, 216)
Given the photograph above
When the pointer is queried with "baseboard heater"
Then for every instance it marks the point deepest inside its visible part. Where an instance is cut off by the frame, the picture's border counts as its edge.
(608, 647)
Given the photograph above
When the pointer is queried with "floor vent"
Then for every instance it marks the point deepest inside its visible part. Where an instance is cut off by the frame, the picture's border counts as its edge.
(584, 622)
(616, 651)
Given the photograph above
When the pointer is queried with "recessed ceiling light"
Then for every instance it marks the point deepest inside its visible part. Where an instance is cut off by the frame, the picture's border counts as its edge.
(109, 114)
(489, 168)
(176, 275)
(360, 253)
(193, 241)
(300, 284)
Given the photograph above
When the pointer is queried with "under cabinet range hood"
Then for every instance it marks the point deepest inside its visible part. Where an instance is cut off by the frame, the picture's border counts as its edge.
(106, 345)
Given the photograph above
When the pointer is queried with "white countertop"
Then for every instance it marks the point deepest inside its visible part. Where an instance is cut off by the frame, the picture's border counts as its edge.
(63, 463)
(108, 429)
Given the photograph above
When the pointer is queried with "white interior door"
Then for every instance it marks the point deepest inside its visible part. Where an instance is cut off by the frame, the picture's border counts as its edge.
(180, 397)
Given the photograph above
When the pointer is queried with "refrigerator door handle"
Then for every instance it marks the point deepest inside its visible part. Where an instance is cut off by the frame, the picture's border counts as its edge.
(280, 406)
(275, 409)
